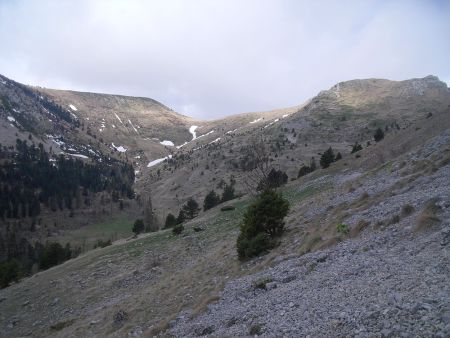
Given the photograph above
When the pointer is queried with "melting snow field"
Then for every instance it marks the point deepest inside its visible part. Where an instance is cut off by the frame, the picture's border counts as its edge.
(167, 143)
(119, 148)
(257, 120)
(73, 107)
(159, 160)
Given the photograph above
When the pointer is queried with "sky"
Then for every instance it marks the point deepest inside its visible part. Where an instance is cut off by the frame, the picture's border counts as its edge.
(212, 58)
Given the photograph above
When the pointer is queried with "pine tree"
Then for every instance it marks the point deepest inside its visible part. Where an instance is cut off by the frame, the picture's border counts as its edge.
(228, 193)
(211, 200)
(191, 208)
(171, 221)
(138, 226)
(327, 158)
(356, 147)
(338, 156)
(263, 220)
(379, 135)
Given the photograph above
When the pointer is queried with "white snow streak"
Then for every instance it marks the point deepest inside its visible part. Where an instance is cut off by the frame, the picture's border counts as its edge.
(73, 107)
(11, 119)
(257, 120)
(133, 126)
(78, 155)
(118, 118)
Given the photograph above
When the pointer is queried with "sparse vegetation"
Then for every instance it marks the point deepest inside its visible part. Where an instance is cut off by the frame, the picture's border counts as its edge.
(255, 330)
(428, 216)
(342, 228)
(407, 210)
(262, 283)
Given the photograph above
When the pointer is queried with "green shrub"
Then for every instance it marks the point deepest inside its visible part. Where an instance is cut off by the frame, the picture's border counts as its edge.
(263, 220)
(262, 283)
(178, 229)
(254, 246)
(343, 228)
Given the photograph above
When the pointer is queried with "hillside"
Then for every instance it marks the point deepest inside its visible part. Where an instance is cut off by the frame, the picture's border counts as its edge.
(386, 276)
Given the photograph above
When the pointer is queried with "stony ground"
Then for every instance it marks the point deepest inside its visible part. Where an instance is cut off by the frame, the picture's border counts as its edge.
(386, 283)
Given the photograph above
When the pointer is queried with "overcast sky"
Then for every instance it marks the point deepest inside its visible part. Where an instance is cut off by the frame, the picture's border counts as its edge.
(210, 58)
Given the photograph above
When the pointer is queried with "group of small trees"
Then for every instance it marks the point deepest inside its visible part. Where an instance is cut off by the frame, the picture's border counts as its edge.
(212, 199)
(306, 169)
(23, 258)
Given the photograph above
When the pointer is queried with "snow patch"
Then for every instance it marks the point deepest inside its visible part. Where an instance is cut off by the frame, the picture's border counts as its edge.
(158, 161)
(192, 131)
(231, 131)
(11, 119)
(167, 143)
(138, 156)
(73, 107)
(119, 148)
(257, 120)
(284, 116)
(113, 126)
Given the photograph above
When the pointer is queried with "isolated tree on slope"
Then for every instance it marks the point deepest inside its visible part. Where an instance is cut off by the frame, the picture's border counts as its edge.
(138, 226)
(379, 135)
(263, 220)
(211, 200)
(327, 158)
(191, 208)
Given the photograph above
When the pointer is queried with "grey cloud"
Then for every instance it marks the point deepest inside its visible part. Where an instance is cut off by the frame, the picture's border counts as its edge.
(214, 58)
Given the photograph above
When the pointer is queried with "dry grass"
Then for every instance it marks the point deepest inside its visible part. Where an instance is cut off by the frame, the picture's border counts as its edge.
(360, 226)
(427, 218)
(203, 304)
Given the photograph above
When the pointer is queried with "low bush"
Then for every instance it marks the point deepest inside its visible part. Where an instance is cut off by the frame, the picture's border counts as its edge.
(178, 229)
(343, 228)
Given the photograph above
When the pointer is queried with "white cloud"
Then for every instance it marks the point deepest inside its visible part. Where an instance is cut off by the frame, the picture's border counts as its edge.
(212, 58)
